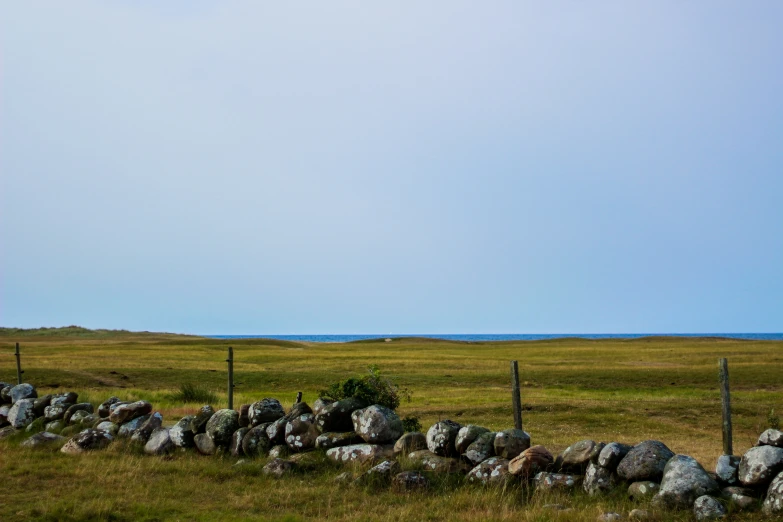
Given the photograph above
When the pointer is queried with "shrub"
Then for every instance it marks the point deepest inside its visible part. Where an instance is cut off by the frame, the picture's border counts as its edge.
(372, 388)
(411, 423)
(189, 392)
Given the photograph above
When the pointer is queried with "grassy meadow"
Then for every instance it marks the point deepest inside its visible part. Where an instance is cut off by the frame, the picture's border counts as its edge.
(610, 390)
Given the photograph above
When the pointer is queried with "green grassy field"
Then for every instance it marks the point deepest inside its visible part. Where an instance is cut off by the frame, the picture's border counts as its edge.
(610, 390)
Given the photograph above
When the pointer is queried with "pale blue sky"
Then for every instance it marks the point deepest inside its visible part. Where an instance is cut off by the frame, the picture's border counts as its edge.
(406, 167)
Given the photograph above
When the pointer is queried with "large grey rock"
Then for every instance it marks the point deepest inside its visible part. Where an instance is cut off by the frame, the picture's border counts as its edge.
(204, 444)
(481, 449)
(410, 480)
(531, 462)
(493, 471)
(759, 465)
(5, 392)
(360, 453)
(275, 431)
(336, 417)
(409, 442)
(437, 464)
(21, 413)
(143, 433)
(576, 456)
(4, 409)
(380, 473)
(266, 410)
(221, 426)
(244, 416)
(727, 469)
(55, 412)
(82, 406)
(741, 498)
(301, 432)
(771, 438)
(129, 428)
(684, 480)
(645, 461)
(280, 451)
(773, 504)
(41, 403)
(199, 422)
(611, 455)
(87, 440)
(22, 391)
(105, 408)
(79, 418)
(54, 426)
(442, 438)
(37, 425)
(43, 438)
(7, 432)
(466, 436)
(256, 442)
(128, 412)
(181, 434)
(643, 490)
(377, 424)
(335, 440)
(235, 448)
(159, 442)
(598, 480)
(107, 426)
(708, 508)
(511, 443)
(319, 405)
(278, 468)
(64, 399)
(556, 481)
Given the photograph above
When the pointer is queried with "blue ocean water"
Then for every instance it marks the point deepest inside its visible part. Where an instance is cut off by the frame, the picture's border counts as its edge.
(496, 337)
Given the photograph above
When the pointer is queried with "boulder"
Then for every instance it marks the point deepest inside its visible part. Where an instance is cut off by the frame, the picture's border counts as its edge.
(531, 462)
(493, 471)
(278, 452)
(78, 418)
(708, 508)
(319, 405)
(301, 432)
(299, 408)
(129, 428)
(107, 426)
(410, 480)
(410, 442)
(181, 433)
(335, 440)
(442, 438)
(466, 436)
(758, 465)
(377, 424)
(37, 425)
(82, 406)
(21, 413)
(7, 432)
(511, 443)
(244, 416)
(236, 442)
(265, 410)
(684, 480)
(87, 440)
(55, 412)
(336, 417)
(42, 439)
(278, 468)
(727, 469)
(611, 455)
(556, 481)
(275, 431)
(742, 498)
(643, 490)
(128, 412)
(379, 474)
(5, 394)
(63, 399)
(360, 453)
(645, 461)
(771, 438)
(598, 480)
(159, 442)
(41, 403)
(204, 444)
(54, 426)
(221, 426)
(4, 410)
(437, 464)
(773, 504)
(199, 422)
(22, 391)
(481, 449)
(105, 408)
(256, 442)
(576, 456)
(143, 433)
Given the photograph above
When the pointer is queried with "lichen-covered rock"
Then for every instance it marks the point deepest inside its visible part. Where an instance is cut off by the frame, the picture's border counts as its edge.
(143, 433)
(511, 443)
(442, 438)
(256, 442)
(379, 474)
(645, 461)
(708, 508)
(107, 426)
(79, 418)
(54, 426)
(55, 412)
(727, 469)
(86, 407)
(266, 410)
(611, 455)
(105, 408)
(21, 413)
(319, 405)
(741, 498)
(437, 464)
(42, 439)
(204, 444)
(410, 442)
(87, 440)
(336, 417)
(598, 480)
(576, 456)
(129, 428)
(759, 465)
(275, 431)
(244, 416)
(181, 433)
(278, 467)
(360, 453)
(466, 436)
(377, 424)
(773, 504)
(238, 436)
(128, 412)
(301, 432)
(771, 438)
(22, 391)
(481, 449)
(4, 410)
(493, 471)
(279, 451)
(199, 422)
(5, 392)
(643, 490)
(41, 403)
(531, 462)
(64, 399)
(409, 481)
(684, 480)
(221, 426)
(335, 440)
(556, 481)
(159, 442)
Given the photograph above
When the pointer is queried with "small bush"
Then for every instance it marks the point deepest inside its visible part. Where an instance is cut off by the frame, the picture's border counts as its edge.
(773, 420)
(411, 423)
(371, 388)
(189, 392)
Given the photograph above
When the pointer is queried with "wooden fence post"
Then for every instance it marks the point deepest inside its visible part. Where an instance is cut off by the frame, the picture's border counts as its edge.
(230, 362)
(515, 398)
(298, 397)
(19, 371)
(723, 364)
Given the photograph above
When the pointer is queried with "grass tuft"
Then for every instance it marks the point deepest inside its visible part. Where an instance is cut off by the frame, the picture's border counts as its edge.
(192, 393)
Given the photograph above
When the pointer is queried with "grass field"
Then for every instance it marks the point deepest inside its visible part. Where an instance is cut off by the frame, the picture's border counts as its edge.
(610, 390)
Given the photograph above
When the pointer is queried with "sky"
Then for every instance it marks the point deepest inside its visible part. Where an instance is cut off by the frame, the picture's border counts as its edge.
(247, 167)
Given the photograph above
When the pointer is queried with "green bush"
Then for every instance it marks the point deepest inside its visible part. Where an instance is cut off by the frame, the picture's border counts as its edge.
(189, 392)
(372, 388)
(411, 423)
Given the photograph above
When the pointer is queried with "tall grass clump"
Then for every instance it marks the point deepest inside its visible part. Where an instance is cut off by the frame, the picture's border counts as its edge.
(189, 392)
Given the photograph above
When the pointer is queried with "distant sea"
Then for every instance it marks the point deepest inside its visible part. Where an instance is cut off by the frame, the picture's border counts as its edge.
(497, 337)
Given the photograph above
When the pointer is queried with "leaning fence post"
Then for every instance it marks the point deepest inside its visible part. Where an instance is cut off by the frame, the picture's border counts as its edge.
(230, 362)
(515, 398)
(19, 371)
(298, 397)
(723, 364)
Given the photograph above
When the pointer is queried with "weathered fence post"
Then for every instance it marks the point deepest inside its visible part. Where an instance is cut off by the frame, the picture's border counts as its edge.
(515, 398)
(19, 371)
(723, 364)
(298, 397)
(230, 362)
